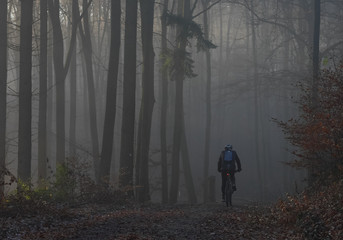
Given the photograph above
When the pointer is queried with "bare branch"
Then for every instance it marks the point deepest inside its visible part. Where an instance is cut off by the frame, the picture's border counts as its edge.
(296, 36)
(194, 6)
(208, 8)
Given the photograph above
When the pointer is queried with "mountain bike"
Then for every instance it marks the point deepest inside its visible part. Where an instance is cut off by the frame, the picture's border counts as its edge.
(228, 189)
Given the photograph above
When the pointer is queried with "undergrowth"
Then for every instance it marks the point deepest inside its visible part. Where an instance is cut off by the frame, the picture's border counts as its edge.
(71, 186)
(316, 213)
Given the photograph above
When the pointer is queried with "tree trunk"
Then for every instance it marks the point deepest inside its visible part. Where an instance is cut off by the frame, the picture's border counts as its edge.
(164, 107)
(58, 56)
(256, 100)
(224, 80)
(87, 52)
(102, 53)
(315, 57)
(148, 99)
(315, 70)
(73, 78)
(3, 90)
(111, 95)
(61, 70)
(25, 95)
(129, 91)
(43, 60)
(50, 97)
(184, 11)
(208, 103)
(187, 167)
(175, 175)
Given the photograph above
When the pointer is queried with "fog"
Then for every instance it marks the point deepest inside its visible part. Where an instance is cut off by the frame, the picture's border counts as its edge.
(264, 49)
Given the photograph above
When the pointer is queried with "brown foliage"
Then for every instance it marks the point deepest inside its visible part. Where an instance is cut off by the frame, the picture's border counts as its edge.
(318, 132)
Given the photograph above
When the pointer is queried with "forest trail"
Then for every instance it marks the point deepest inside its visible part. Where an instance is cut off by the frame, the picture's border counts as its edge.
(181, 221)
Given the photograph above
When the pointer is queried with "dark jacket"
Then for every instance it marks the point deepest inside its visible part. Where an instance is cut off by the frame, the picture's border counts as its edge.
(235, 161)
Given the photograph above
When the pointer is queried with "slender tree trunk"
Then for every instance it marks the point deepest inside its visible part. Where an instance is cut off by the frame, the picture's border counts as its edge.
(104, 12)
(302, 47)
(315, 70)
(58, 55)
(87, 52)
(184, 11)
(220, 70)
(225, 75)
(284, 111)
(219, 120)
(111, 95)
(73, 79)
(16, 20)
(174, 188)
(148, 99)
(43, 60)
(208, 104)
(50, 97)
(25, 95)
(315, 57)
(164, 106)
(129, 90)
(3, 91)
(85, 106)
(256, 97)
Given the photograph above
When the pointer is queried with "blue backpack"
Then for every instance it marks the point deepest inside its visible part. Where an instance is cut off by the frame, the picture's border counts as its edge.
(228, 159)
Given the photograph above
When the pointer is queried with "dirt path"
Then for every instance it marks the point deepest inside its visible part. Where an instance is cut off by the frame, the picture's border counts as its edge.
(214, 221)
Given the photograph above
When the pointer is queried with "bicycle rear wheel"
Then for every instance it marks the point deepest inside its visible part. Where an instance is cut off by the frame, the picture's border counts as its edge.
(228, 193)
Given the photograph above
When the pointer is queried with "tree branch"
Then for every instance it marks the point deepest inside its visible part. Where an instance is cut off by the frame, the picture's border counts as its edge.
(194, 6)
(209, 7)
(296, 36)
(73, 36)
(328, 49)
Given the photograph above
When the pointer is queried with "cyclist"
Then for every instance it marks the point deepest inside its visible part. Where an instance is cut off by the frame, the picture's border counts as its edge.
(227, 162)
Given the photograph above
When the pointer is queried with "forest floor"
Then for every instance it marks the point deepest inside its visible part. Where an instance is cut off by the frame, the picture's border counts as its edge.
(150, 221)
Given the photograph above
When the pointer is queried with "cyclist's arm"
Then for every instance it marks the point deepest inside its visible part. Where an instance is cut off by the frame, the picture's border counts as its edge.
(238, 161)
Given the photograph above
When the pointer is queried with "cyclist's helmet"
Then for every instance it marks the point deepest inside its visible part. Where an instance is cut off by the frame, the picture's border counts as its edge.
(228, 147)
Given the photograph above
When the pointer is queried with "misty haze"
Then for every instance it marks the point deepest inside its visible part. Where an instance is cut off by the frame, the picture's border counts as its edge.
(171, 119)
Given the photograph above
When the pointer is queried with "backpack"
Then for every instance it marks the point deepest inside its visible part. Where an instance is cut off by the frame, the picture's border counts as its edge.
(228, 159)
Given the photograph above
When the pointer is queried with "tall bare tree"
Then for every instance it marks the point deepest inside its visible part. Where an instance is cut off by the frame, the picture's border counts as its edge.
(205, 4)
(73, 78)
(183, 11)
(148, 98)
(164, 104)
(315, 57)
(43, 59)
(3, 88)
(129, 90)
(87, 53)
(58, 56)
(256, 98)
(315, 69)
(25, 94)
(60, 68)
(111, 94)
